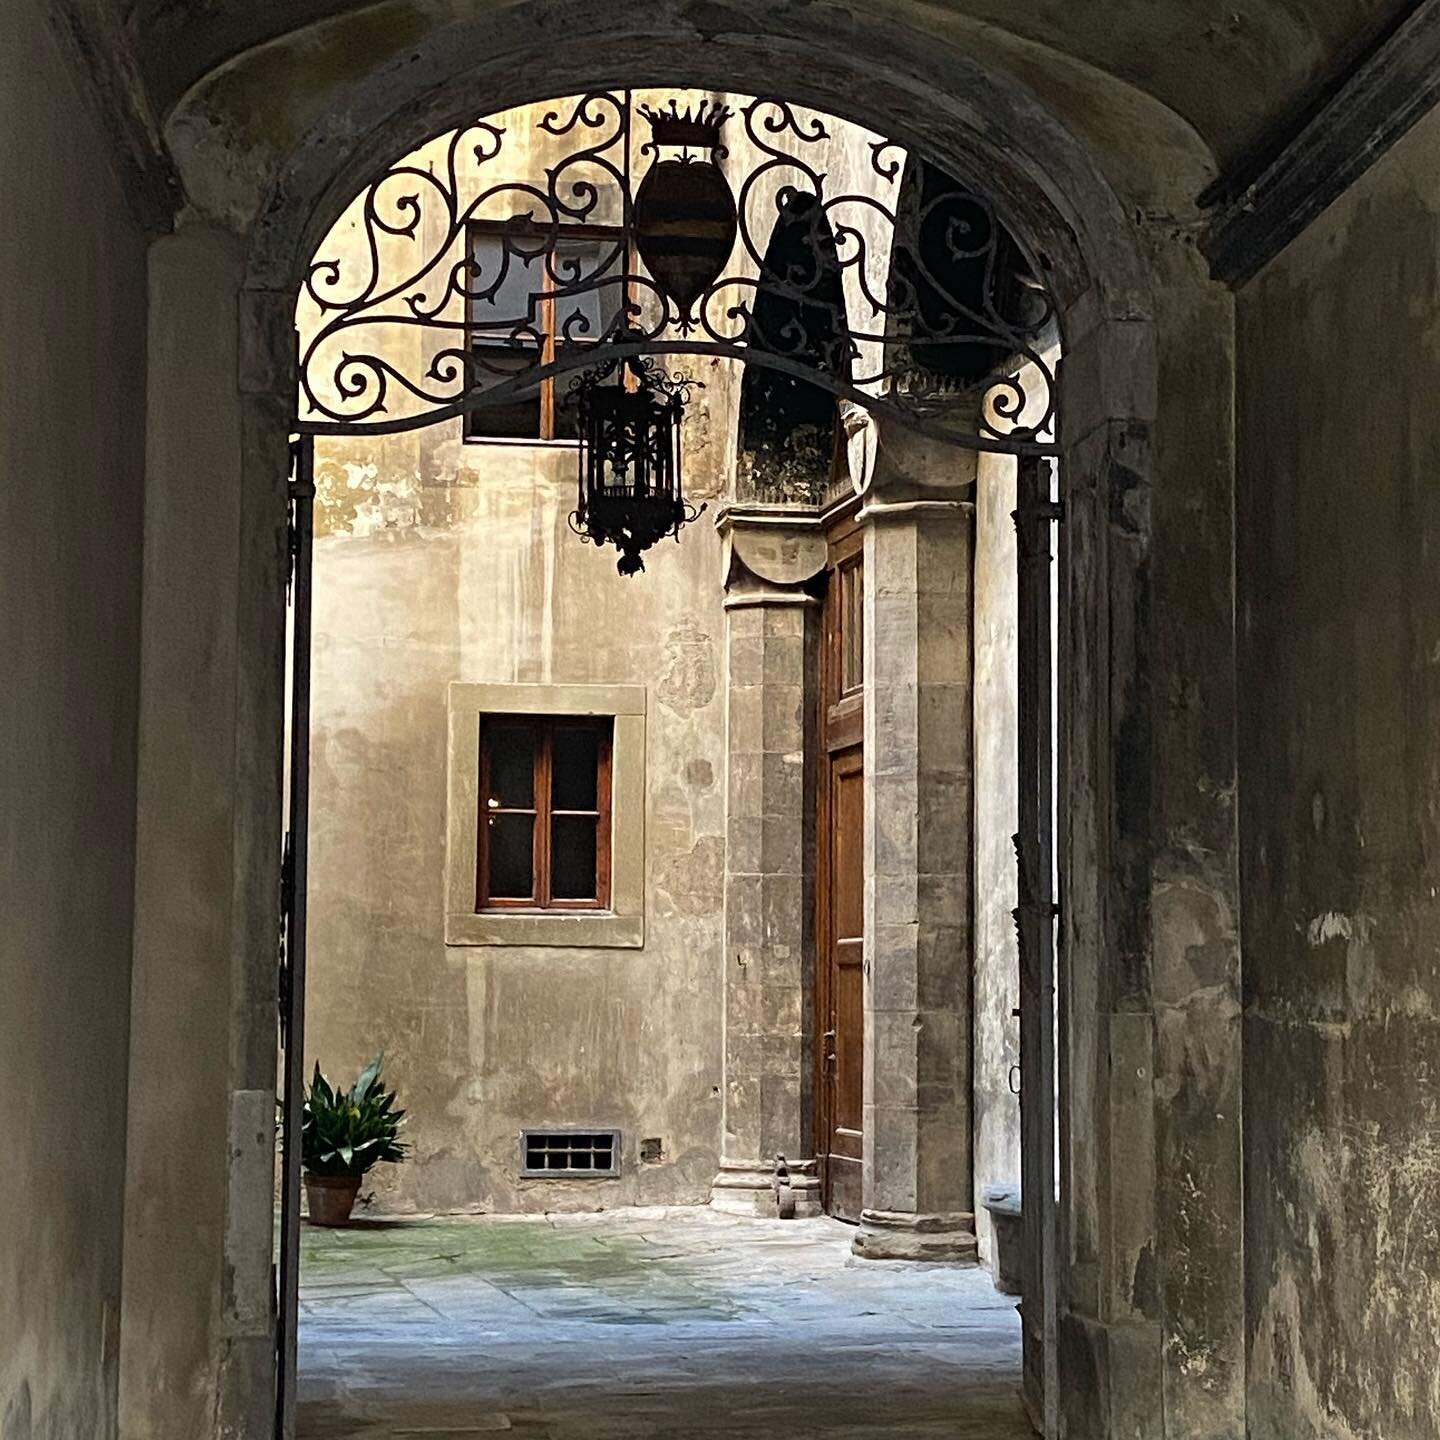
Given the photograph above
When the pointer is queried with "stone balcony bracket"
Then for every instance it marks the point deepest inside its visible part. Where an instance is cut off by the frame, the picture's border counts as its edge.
(770, 553)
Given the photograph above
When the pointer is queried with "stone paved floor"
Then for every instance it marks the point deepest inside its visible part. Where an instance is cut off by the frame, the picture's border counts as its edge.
(651, 1324)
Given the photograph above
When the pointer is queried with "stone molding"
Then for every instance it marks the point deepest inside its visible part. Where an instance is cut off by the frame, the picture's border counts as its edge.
(892, 1235)
(747, 1187)
(1380, 99)
(874, 510)
(752, 599)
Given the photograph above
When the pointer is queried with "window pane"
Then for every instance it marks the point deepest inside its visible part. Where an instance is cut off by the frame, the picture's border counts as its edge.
(575, 768)
(567, 409)
(572, 862)
(852, 628)
(515, 417)
(586, 314)
(518, 281)
(512, 766)
(512, 857)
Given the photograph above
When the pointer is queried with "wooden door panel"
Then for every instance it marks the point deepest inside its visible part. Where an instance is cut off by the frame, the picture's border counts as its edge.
(850, 1041)
(845, 962)
(840, 892)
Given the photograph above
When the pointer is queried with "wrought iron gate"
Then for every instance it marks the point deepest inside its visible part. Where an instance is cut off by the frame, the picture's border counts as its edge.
(945, 315)
(1035, 917)
(292, 938)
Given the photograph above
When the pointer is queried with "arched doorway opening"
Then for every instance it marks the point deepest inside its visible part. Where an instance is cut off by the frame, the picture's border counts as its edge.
(903, 295)
(972, 123)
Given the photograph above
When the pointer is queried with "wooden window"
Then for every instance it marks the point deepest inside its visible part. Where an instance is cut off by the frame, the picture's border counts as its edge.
(544, 821)
(526, 298)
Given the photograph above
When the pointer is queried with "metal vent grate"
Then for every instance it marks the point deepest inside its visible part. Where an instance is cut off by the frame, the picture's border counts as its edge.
(570, 1152)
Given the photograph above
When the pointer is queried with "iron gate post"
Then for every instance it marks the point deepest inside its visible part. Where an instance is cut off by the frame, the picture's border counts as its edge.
(292, 970)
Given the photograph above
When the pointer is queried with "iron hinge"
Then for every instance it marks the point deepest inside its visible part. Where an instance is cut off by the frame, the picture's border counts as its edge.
(1042, 512)
(292, 527)
(287, 901)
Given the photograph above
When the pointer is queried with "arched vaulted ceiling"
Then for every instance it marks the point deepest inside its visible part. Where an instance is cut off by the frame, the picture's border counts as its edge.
(1233, 70)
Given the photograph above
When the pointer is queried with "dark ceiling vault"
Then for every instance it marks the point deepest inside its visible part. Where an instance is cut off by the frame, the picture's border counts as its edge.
(1328, 147)
(1292, 97)
(1233, 69)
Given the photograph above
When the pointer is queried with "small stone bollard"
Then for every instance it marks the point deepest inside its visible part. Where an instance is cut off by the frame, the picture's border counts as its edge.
(784, 1191)
(1003, 1203)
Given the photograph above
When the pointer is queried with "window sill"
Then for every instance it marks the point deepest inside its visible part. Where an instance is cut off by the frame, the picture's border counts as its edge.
(581, 929)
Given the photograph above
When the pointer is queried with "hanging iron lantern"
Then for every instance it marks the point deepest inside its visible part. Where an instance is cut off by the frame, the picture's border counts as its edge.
(685, 220)
(630, 486)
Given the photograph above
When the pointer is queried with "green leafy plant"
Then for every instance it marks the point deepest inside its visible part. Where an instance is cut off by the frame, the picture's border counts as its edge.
(346, 1132)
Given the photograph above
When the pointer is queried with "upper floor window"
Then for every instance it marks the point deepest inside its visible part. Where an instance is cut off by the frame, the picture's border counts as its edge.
(529, 309)
(544, 821)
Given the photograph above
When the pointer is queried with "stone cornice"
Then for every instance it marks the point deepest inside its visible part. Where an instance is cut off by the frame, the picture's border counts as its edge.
(1379, 101)
(874, 510)
(756, 515)
(769, 598)
(99, 51)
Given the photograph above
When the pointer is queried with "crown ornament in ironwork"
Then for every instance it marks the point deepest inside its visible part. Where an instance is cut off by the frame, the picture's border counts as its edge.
(697, 127)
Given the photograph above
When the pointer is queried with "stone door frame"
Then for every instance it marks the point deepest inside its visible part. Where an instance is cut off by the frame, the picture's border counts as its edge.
(1117, 1338)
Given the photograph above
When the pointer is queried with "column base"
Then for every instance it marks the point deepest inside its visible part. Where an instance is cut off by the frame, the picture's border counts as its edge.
(746, 1187)
(898, 1235)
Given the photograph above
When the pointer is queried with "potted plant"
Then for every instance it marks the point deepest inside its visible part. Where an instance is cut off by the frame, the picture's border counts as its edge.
(343, 1133)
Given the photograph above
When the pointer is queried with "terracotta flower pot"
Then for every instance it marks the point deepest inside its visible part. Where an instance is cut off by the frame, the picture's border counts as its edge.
(330, 1198)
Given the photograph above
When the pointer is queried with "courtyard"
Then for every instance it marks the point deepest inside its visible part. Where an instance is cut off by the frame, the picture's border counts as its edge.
(657, 1324)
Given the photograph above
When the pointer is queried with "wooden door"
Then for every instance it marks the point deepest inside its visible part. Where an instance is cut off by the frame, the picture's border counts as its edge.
(840, 989)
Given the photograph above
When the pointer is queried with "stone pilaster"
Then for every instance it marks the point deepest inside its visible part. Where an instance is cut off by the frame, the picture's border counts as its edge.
(769, 865)
(918, 767)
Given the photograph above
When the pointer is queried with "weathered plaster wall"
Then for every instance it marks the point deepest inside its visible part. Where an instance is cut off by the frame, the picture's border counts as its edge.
(1149, 1023)
(1339, 567)
(440, 561)
(72, 410)
(996, 990)
(197, 1298)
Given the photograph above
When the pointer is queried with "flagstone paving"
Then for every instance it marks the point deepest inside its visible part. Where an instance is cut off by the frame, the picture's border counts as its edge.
(679, 1324)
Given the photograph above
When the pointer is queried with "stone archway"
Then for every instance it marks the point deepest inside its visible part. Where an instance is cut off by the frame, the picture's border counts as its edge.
(981, 129)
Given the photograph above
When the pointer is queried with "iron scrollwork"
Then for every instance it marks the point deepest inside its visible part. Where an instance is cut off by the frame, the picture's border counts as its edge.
(941, 322)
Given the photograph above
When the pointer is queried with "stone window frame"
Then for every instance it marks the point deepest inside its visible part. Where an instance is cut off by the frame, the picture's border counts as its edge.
(622, 926)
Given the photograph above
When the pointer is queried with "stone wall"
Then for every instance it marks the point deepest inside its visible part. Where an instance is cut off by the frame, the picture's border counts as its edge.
(72, 413)
(996, 990)
(441, 560)
(1339, 567)
(438, 561)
